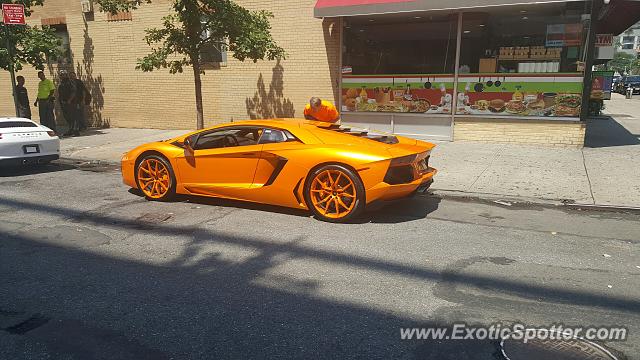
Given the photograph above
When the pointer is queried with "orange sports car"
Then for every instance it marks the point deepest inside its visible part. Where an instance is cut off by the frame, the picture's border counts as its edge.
(332, 171)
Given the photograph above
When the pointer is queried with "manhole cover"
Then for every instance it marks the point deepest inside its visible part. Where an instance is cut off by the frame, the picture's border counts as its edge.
(557, 349)
(154, 218)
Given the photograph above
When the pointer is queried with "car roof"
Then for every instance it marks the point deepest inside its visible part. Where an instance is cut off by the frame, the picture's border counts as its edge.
(281, 123)
(320, 129)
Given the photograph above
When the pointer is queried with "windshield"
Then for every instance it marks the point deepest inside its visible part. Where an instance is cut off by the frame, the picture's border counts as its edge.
(633, 79)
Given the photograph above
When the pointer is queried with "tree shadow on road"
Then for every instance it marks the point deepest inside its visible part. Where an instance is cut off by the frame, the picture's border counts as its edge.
(205, 303)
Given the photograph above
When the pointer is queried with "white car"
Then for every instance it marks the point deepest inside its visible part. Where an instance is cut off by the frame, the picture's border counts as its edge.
(24, 142)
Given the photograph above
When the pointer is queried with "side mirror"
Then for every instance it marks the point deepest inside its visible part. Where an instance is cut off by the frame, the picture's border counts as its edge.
(189, 143)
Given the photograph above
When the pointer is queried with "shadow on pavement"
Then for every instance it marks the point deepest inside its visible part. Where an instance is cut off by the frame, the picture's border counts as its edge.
(392, 212)
(204, 305)
(87, 132)
(34, 169)
(409, 209)
(605, 131)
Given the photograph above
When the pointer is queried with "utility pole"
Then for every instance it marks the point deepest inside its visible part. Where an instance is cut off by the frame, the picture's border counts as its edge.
(7, 34)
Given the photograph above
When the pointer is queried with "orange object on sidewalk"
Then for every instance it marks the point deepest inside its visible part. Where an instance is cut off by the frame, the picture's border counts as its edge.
(326, 113)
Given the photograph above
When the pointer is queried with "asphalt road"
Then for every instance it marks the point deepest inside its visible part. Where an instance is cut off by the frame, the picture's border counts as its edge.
(90, 270)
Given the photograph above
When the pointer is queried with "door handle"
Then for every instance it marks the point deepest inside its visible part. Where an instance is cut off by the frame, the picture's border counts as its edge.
(248, 154)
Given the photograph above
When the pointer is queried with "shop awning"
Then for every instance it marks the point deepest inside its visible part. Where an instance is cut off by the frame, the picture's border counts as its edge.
(335, 8)
(618, 16)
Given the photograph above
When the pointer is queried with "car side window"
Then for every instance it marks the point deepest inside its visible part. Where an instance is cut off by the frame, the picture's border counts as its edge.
(229, 137)
(271, 136)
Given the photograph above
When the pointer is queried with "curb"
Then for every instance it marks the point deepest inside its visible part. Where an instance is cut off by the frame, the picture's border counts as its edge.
(500, 199)
(515, 202)
(600, 207)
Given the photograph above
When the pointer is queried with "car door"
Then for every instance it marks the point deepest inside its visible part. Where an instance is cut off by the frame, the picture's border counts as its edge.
(276, 144)
(221, 160)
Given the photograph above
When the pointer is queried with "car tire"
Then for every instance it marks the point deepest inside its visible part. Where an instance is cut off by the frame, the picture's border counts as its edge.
(334, 193)
(155, 178)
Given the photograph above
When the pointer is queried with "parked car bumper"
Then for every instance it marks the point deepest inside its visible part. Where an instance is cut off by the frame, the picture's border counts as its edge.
(28, 160)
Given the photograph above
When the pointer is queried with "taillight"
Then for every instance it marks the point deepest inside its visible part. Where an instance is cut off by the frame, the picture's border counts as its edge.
(405, 160)
(400, 170)
(51, 133)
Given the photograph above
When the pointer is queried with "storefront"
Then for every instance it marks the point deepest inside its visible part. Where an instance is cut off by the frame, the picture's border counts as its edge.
(479, 70)
(434, 69)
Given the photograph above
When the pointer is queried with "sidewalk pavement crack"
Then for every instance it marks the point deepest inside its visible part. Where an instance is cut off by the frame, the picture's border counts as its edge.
(586, 171)
(497, 155)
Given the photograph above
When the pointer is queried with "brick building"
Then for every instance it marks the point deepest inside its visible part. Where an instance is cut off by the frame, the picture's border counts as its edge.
(489, 70)
(103, 50)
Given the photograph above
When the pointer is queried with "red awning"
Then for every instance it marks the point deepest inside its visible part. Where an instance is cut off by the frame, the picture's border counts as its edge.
(335, 8)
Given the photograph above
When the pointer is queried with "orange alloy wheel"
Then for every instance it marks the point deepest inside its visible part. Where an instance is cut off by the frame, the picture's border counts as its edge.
(333, 194)
(154, 178)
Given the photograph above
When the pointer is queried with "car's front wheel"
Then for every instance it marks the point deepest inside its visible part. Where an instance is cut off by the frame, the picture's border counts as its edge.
(155, 178)
(334, 193)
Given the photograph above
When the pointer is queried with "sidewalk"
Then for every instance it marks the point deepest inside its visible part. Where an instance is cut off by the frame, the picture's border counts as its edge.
(605, 172)
(108, 145)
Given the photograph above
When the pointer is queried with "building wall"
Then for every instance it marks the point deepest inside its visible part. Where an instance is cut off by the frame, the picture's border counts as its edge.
(548, 133)
(105, 53)
(630, 38)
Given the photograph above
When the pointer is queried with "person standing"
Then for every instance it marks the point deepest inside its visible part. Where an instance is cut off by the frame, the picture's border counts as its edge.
(24, 107)
(83, 98)
(66, 97)
(321, 110)
(44, 101)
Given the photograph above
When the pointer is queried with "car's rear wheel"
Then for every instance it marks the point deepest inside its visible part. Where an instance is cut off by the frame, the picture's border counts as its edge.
(334, 193)
(155, 178)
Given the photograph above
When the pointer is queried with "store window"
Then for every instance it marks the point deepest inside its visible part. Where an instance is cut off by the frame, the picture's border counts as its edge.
(523, 61)
(399, 63)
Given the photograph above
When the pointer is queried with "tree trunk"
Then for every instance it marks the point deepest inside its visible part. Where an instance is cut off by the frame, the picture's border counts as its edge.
(198, 84)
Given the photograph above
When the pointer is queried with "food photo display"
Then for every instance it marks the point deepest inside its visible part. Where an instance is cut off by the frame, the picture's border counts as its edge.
(515, 95)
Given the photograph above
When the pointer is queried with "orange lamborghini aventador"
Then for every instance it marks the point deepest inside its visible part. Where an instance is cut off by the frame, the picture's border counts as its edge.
(332, 171)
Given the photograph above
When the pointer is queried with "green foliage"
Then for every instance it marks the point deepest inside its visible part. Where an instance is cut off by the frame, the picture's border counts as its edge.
(30, 44)
(624, 63)
(115, 6)
(199, 23)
